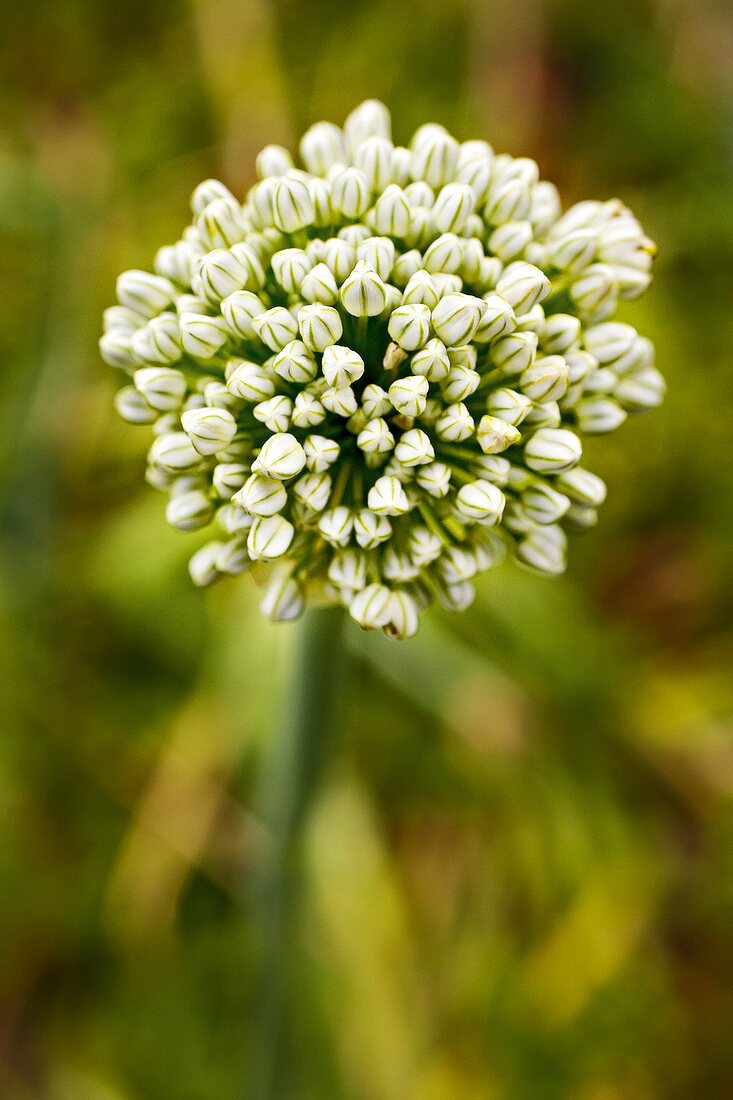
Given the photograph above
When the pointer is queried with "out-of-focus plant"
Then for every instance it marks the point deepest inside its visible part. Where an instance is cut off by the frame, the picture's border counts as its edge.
(373, 375)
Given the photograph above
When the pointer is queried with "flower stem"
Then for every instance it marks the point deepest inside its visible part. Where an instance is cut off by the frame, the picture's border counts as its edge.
(289, 782)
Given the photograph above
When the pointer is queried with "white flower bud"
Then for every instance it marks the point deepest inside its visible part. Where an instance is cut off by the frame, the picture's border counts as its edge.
(498, 319)
(597, 415)
(522, 285)
(370, 529)
(379, 253)
(341, 402)
(552, 451)
(434, 478)
(641, 390)
(319, 285)
(162, 387)
(392, 212)
(480, 502)
(543, 504)
(456, 317)
(275, 413)
(455, 423)
(573, 251)
(321, 147)
(545, 414)
(347, 569)
(228, 478)
(320, 452)
(561, 332)
(403, 615)
(595, 290)
(269, 537)
(159, 341)
(514, 353)
(533, 320)
(610, 341)
(456, 597)
(209, 429)
(454, 204)
(459, 383)
(434, 158)
(218, 274)
(445, 255)
(202, 337)
(509, 241)
(544, 550)
(582, 487)
(207, 192)
(414, 448)
(248, 381)
(355, 234)
(232, 557)
(290, 266)
(421, 290)
(307, 410)
(494, 435)
(261, 496)
(189, 511)
(174, 451)
(408, 395)
(320, 326)
(273, 160)
(370, 119)
(509, 405)
(202, 567)
(341, 366)
(115, 347)
(387, 497)
(375, 158)
(372, 606)
(132, 406)
(363, 293)
(423, 546)
(295, 364)
(432, 361)
(545, 379)
(276, 327)
(239, 310)
(544, 207)
(494, 468)
(336, 525)
(350, 192)
(220, 224)
(281, 457)
(313, 490)
(282, 600)
(507, 201)
(144, 293)
(599, 381)
(375, 437)
(409, 326)
(375, 401)
(292, 204)
(405, 266)
(398, 566)
(457, 564)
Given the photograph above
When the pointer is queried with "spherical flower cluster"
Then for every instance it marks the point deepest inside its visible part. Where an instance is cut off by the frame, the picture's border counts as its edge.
(373, 375)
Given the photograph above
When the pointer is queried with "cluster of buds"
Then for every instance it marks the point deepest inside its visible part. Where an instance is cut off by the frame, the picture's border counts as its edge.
(372, 376)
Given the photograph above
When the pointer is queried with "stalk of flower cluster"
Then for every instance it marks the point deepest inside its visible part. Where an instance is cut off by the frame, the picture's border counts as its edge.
(289, 782)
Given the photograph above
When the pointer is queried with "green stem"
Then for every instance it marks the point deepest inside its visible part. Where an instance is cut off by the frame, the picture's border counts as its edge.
(290, 779)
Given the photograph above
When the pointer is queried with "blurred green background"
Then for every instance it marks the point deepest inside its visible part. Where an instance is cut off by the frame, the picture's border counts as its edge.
(516, 875)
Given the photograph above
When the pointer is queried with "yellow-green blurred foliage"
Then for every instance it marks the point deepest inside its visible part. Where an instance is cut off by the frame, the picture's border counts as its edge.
(517, 873)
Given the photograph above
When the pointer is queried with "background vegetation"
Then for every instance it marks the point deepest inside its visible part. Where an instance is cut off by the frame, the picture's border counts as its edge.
(517, 874)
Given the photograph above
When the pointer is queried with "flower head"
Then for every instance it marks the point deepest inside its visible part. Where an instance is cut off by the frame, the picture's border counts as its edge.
(372, 375)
